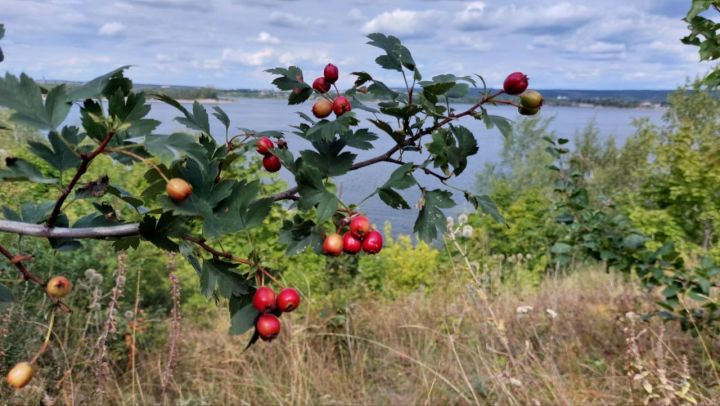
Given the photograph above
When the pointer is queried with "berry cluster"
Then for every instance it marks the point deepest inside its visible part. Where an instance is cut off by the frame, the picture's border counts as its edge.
(530, 100)
(323, 107)
(270, 307)
(360, 236)
(271, 163)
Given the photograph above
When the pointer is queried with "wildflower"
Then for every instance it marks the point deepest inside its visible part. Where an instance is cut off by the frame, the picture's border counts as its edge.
(467, 232)
(96, 279)
(89, 273)
(462, 219)
(523, 309)
(129, 314)
(450, 222)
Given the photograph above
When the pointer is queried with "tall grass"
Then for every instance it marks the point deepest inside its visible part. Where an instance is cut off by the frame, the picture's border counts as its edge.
(574, 340)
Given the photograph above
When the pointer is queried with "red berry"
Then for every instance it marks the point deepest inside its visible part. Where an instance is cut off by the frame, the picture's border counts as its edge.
(331, 73)
(351, 245)
(321, 85)
(322, 108)
(271, 163)
(359, 226)
(333, 245)
(341, 105)
(268, 326)
(264, 299)
(515, 83)
(372, 244)
(288, 300)
(264, 145)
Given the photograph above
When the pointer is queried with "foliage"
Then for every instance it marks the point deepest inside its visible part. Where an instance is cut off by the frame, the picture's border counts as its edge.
(76, 171)
(403, 267)
(704, 35)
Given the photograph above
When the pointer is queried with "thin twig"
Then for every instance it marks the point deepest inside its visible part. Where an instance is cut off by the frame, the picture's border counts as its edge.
(139, 158)
(17, 260)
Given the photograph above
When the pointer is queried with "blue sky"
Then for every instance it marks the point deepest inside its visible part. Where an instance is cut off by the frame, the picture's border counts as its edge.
(580, 44)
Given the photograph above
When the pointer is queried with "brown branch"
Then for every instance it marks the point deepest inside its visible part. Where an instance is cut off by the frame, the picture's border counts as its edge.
(200, 242)
(17, 260)
(416, 167)
(86, 159)
(291, 194)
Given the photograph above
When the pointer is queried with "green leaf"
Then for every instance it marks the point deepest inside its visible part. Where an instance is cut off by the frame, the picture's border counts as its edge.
(313, 193)
(298, 234)
(698, 6)
(401, 178)
(239, 211)
(223, 117)
(222, 277)
(326, 130)
(561, 248)
(502, 124)
(59, 154)
(6, 295)
(329, 158)
(362, 78)
(431, 223)
(242, 314)
(396, 56)
(25, 97)
(360, 139)
(173, 147)
(291, 78)
(20, 169)
(197, 119)
(392, 198)
(486, 204)
(634, 241)
(158, 231)
(94, 88)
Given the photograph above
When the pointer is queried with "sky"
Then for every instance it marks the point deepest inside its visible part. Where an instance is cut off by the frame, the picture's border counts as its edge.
(559, 44)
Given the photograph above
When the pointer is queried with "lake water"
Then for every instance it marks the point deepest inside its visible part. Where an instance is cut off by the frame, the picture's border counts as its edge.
(273, 114)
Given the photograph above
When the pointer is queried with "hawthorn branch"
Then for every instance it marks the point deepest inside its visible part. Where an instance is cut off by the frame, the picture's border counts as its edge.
(128, 230)
(41, 230)
(291, 194)
(424, 169)
(17, 260)
(200, 242)
(86, 160)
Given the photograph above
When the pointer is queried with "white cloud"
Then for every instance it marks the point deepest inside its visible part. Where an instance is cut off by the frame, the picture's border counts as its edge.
(265, 38)
(355, 15)
(289, 20)
(405, 22)
(259, 58)
(111, 29)
(478, 16)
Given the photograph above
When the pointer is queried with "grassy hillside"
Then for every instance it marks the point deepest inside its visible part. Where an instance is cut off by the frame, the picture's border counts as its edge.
(574, 340)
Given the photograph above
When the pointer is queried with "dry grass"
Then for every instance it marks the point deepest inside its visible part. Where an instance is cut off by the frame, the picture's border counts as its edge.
(450, 346)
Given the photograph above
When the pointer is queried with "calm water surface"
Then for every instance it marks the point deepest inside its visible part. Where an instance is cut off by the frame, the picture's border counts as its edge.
(272, 114)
